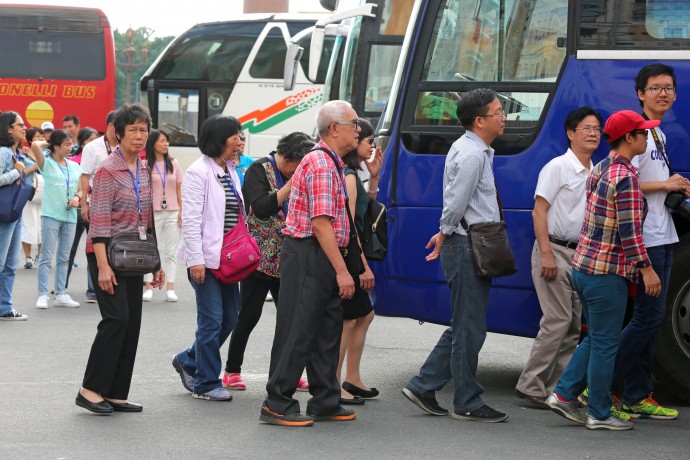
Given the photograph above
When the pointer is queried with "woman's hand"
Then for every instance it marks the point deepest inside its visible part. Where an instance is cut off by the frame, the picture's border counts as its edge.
(158, 279)
(74, 202)
(106, 279)
(198, 273)
(374, 166)
(366, 279)
(179, 218)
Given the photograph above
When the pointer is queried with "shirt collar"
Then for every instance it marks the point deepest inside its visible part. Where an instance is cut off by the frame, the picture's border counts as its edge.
(618, 158)
(324, 145)
(473, 136)
(575, 162)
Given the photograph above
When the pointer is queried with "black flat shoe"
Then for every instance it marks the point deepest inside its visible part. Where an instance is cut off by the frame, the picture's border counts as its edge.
(356, 401)
(362, 393)
(127, 407)
(102, 407)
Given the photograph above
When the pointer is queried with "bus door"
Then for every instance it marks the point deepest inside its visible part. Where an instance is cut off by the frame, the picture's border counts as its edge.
(268, 111)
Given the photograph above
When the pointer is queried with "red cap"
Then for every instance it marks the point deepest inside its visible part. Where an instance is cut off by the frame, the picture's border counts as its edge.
(624, 121)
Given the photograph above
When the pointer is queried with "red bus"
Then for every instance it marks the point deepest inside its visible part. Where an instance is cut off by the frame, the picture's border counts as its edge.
(56, 61)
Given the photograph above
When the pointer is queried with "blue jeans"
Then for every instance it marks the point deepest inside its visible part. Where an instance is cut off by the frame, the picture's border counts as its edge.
(603, 298)
(217, 308)
(456, 354)
(10, 242)
(633, 371)
(60, 234)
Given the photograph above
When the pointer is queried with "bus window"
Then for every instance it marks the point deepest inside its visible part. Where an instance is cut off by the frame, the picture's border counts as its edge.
(382, 64)
(651, 24)
(178, 115)
(270, 59)
(395, 17)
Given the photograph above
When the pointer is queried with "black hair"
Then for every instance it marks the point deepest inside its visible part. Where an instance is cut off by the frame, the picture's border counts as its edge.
(73, 118)
(151, 153)
(129, 114)
(576, 116)
(83, 136)
(31, 133)
(6, 120)
(366, 130)
(474, 104)
(215, 132)
(653, 70)
(110, 117)
(56, 139)
(617, 142)
(294, 146)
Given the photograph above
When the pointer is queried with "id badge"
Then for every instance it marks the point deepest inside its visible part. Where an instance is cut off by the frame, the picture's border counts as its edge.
(142, 233)
(164, 203)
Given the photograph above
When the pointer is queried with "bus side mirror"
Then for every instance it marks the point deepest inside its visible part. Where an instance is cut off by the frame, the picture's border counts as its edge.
(294, 53)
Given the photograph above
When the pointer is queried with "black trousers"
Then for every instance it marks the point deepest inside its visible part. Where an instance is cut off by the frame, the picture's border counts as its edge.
(111, 362)
(253, 292)
(82, 226)
(308, 327)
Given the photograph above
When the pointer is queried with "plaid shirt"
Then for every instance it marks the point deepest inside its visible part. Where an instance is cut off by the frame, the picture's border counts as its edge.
(317, 190)
(611, 237)
(114, 202)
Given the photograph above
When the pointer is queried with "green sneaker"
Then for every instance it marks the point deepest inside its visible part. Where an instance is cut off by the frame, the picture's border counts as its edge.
(648, 408)
(584, 397)
(619, 414)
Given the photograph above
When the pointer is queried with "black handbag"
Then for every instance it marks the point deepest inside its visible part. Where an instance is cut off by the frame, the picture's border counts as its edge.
(130, 256)
(374, 235)
(13, 198)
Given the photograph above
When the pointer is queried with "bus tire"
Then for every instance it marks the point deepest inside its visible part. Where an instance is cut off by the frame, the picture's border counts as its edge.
(672, 358)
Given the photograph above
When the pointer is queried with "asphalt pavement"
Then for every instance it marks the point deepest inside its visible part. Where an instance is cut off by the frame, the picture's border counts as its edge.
(43, 361)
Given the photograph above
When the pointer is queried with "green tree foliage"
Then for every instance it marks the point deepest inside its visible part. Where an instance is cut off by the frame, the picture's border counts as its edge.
(141, 39)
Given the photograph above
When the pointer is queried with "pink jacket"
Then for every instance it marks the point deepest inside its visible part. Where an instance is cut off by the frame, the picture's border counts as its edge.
(203, 212)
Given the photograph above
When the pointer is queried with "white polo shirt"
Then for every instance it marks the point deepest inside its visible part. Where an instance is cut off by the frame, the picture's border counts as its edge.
(658, 228)
(562, 183)
(93, 155)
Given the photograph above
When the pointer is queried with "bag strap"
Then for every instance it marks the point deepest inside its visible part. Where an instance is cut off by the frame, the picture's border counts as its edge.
(353, 229)
(660, 146)
(463, 222)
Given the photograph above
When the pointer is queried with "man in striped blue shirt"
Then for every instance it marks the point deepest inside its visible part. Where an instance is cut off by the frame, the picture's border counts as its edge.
(469, 192)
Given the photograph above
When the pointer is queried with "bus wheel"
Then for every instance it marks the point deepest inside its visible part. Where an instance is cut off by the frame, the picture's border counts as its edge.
(672, 359)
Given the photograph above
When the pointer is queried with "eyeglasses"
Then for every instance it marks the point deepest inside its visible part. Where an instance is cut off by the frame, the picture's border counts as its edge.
(655, 90)
(355, 123)
(590, 130)
(644, 132)
(21, 125)
(241, 138)
(500, 114)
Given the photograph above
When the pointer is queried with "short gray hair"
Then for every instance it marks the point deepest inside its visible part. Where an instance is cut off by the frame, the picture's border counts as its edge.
(329, 113)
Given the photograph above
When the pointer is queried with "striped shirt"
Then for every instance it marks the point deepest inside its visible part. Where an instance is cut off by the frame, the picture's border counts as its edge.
(232, 208)
(468, 185)
(611, 238)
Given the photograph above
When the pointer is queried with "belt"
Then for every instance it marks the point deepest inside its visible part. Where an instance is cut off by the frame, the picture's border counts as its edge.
(565, 244)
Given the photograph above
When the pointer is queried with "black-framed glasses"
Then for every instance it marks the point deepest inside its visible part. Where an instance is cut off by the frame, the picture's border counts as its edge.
(644, 132)
(242, 138)
(655, 90)
(355, 123)
(590, 130)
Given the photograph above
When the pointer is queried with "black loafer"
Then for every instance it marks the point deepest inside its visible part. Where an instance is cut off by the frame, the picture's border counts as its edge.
(102, 407)
(536, 400)
(127, 407)
(362, 393)
(355, 401)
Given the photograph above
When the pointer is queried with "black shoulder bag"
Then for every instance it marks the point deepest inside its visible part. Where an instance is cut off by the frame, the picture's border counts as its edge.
(352, 254)
(374, 235)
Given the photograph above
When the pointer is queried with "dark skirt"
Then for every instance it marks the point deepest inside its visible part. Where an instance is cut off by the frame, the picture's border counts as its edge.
(359, 305)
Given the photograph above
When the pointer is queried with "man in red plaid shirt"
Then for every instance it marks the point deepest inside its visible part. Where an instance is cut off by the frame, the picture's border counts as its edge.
(314, 279)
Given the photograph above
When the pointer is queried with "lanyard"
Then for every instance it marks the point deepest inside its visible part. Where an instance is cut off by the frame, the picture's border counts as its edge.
(661, 147)
(239, 200)
(107, 145)
(135, 183)
(281, 182)
(65, 175)
(165, 172)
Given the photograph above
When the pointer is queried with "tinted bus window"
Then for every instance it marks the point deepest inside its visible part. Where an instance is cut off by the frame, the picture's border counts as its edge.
(651, 24)
(270, 60)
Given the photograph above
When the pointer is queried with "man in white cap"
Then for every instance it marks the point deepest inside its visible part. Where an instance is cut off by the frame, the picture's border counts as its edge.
(47, 128)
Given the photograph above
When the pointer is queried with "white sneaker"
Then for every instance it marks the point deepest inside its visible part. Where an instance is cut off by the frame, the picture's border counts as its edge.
(148, 295)
(269, 297)
(64, 300)
(42, 301)
(171, 296)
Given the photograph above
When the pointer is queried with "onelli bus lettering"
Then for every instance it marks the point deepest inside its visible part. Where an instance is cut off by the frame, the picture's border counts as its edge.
(27, 90)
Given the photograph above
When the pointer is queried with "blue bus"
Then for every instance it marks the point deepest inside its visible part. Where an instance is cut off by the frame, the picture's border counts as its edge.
(544, 58)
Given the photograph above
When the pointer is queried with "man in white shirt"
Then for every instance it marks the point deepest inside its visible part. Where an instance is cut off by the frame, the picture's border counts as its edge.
(92, 156)
(656, 89)
(559, 208)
